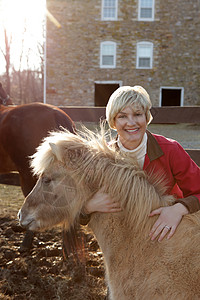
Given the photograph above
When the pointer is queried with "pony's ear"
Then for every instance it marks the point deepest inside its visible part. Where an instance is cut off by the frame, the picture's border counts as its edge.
(72, 155)
(55, 151)
(69, 156)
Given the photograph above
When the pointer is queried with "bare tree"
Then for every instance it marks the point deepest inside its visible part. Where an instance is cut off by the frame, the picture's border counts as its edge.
(29, 80)
(24, 82)
(40, 48)
(6, 54)
(30, 85)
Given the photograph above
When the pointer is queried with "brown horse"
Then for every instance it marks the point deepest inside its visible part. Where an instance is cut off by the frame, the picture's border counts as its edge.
(22, 129)
(71, 170)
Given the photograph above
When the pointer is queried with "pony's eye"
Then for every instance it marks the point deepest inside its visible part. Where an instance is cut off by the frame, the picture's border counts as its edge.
(46, 180)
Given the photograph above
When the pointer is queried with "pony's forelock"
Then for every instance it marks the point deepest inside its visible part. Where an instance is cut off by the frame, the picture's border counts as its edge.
(43, 158)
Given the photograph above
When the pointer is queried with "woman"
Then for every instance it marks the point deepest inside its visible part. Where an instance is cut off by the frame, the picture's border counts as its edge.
(128, 112)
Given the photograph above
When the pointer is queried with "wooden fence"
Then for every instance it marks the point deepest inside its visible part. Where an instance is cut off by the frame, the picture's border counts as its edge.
(161, 115)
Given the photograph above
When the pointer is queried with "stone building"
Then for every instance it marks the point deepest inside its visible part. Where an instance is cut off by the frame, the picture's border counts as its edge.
(103, 44)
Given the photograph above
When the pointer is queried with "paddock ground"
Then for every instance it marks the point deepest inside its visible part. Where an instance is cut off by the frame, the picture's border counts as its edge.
(42, 273)
(188, 135)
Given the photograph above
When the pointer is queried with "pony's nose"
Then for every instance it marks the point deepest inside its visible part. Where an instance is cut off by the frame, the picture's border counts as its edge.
(19, 215)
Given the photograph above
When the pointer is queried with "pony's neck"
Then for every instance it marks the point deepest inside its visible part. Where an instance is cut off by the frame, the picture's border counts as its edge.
(136, 195)
(124, 182)
(114, 232)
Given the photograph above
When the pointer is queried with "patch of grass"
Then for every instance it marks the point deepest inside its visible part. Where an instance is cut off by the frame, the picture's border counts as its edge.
(11, 199)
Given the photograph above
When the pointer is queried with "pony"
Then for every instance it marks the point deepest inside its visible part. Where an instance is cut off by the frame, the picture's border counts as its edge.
(22, 129)
(71, 168)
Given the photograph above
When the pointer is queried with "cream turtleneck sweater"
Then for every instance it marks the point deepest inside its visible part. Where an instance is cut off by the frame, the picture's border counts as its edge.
(137, 153)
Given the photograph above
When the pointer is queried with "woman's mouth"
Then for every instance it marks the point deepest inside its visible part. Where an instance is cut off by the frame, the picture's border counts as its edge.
(132, 130)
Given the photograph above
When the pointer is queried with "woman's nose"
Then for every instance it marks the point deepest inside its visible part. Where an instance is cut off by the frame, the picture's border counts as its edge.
(131, 121)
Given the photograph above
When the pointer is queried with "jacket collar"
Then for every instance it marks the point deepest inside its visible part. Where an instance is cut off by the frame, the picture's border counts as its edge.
(154, 150)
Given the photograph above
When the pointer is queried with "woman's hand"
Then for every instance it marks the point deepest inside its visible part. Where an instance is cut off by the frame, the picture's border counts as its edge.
(101, 202)
(167, 222)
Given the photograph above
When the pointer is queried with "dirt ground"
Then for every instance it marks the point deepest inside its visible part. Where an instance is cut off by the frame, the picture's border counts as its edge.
(43, 273)
(188, 135)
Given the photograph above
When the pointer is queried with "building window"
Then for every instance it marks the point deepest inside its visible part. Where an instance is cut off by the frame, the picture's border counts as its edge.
(144, 55)
(171, 96)
(108, 55)
(109, 9)
(146, 10)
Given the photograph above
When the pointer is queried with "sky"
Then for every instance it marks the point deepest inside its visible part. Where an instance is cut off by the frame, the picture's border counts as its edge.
(23, 19)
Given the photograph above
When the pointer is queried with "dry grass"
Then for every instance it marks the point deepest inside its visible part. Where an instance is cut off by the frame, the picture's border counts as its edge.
(188, 135)
(11, 199)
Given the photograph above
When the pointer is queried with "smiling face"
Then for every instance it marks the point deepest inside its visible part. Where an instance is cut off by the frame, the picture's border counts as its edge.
(131, 125)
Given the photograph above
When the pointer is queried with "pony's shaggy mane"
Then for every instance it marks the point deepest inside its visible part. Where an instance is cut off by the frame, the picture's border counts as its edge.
(89, 159)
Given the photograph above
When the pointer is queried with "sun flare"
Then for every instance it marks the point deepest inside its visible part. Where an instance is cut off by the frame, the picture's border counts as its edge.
(24, 22)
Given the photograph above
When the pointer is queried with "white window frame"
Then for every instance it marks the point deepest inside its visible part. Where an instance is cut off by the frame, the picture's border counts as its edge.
(109, 18)
(172, 88)
(144, 43)
(120, 82)
(114, 55)
(139, 11)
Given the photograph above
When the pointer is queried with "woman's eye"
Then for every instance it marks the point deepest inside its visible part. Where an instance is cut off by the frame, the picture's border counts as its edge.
(139, 114)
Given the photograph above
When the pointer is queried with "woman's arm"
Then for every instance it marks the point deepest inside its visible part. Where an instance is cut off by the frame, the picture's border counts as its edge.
(100, 202)
(187, 175)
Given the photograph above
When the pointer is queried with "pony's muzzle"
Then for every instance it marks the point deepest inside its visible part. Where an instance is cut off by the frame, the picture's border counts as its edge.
(25, 222)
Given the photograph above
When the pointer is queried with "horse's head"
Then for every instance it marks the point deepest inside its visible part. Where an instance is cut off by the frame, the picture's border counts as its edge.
(55, 199)
(4, 98)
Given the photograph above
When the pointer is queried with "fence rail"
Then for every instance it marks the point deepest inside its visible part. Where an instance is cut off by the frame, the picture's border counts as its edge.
(161, 115)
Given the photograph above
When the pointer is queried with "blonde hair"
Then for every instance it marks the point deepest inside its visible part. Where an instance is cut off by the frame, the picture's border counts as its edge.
(124, 96)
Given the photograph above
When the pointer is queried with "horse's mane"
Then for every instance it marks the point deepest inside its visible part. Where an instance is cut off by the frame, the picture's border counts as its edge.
(96, 164)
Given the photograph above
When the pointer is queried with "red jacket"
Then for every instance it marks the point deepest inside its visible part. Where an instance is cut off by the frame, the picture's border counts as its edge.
(182, 176)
